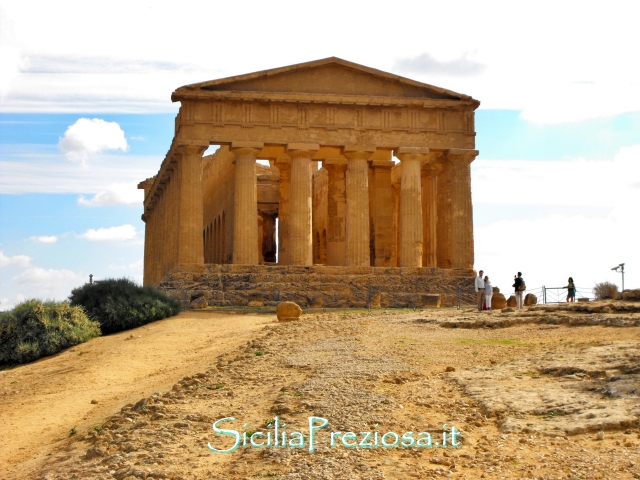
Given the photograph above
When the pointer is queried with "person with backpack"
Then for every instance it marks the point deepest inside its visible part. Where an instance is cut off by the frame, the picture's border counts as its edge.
(520, 288)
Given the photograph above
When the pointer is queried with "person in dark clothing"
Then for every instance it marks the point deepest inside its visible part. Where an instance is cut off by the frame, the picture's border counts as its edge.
(520, 288)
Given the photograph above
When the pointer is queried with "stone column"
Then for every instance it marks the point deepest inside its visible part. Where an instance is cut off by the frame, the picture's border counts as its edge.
(411, 205)
(443, 225)
(284, 166)
(337, 211)
(461, 208)
(245, 224)
(189, 246)
(430, 174)
(300, 234)
(382, 207)
(357, 189)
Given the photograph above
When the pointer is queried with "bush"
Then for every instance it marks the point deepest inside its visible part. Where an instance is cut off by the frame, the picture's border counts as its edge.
(34, 329)
(120, 304)
(605, 290)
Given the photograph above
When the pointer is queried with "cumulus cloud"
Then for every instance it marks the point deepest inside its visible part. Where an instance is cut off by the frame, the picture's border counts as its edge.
(90, 136)
(427, 63)
(112, 234)
(45, 239)
(115, 194)
(15, 260)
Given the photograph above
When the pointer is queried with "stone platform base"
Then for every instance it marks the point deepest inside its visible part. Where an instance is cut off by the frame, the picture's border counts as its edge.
(316, 286)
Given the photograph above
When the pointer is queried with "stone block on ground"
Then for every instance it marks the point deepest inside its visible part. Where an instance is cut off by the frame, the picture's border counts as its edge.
(583, 299)
(288, 311)
(498, 301)
(200, 302)
(530, 299)
(512, 301)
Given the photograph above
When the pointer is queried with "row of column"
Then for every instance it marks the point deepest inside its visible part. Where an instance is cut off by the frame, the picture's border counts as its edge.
(442, 203)
(348, 238)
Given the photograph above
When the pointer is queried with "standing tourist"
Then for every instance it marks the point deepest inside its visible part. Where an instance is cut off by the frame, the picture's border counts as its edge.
(480, 289)
(520, 287)
(571, 292)
(488, 292)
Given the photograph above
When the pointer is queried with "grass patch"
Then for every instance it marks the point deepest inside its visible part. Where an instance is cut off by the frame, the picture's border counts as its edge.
(121, 304)
(35, 329)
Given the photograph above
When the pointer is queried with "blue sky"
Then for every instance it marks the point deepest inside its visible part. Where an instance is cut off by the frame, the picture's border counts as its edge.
(86, 115)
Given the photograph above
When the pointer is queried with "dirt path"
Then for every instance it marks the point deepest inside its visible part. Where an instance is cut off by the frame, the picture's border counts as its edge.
(42, 401)
(520, 395)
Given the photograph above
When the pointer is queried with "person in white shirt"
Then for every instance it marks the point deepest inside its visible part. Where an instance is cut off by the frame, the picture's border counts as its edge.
(479, 286)
(488, 292)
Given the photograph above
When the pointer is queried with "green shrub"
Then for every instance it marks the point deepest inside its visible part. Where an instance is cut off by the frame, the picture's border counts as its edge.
(605, 290)
(121, 304)
(34, 329)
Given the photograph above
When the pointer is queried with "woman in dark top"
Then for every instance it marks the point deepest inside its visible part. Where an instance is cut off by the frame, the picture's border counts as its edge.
(571, 293)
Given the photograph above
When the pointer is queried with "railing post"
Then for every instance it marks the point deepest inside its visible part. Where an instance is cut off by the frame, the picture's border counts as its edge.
(544, 295)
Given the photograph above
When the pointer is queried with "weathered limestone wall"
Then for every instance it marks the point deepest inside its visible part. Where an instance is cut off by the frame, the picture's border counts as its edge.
(319, 218)
(219, 188)
(317, 285)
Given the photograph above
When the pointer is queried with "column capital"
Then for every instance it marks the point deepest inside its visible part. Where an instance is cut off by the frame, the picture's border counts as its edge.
(248, 149)
(358, 152)
(461, 155)
(190, 150)
(280, 160)
(301, 149)
(411, 153)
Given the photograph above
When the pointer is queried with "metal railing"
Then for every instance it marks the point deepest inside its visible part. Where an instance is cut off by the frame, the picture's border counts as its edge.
(559, 294)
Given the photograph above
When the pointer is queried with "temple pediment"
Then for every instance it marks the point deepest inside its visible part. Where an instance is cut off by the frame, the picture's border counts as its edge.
(327, 77)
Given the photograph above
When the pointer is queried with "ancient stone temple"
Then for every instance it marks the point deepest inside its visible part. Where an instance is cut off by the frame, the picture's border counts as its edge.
(333, 184)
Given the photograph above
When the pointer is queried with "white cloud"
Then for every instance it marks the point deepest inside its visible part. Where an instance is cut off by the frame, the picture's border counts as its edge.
(115, 194)
(90, 136)
(571, 182)
(523, 69)
(11, 61)
(45, 239)
(15, 260)
(112, 234)
(36, 282)
(32, 169)
(137, 265)
(570, 241)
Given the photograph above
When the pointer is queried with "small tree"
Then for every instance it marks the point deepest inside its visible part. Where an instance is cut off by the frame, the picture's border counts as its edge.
(605, 290)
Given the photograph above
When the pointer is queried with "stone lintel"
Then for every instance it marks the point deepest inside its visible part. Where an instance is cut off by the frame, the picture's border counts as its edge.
(278, 160)
(247, 144)
(382, 163)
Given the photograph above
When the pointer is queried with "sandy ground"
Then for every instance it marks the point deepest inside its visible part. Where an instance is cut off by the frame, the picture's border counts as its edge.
(42, 401)
(385, 371)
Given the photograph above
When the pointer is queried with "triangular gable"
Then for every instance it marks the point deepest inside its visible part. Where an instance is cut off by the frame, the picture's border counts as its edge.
(328, 76)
